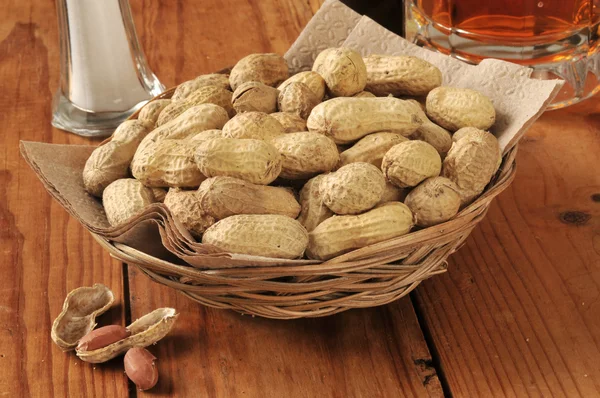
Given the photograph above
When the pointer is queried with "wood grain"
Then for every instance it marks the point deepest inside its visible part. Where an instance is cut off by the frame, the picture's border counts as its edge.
(43, 251)
(516, 315)
(518, 312)
(377, 352)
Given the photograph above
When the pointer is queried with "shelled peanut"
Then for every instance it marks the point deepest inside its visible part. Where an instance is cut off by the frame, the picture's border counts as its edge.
(356, 136)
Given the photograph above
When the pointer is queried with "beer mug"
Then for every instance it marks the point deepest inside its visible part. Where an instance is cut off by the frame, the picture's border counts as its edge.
(557, 38)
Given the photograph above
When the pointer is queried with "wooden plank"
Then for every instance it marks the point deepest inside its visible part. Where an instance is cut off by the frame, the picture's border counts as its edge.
(518, 312)
(376, 352)
(44, 252)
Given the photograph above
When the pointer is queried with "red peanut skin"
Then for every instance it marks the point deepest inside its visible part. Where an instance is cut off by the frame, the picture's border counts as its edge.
(102, 337)
(140, 368)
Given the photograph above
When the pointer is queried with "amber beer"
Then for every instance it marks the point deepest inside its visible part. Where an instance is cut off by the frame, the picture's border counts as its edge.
(558, 38)
(510, 20)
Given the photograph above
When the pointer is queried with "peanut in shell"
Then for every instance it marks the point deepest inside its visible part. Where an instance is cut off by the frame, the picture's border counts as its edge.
(410, 162)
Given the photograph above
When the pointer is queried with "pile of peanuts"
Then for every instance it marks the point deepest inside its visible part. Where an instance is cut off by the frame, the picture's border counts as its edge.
(375, 146)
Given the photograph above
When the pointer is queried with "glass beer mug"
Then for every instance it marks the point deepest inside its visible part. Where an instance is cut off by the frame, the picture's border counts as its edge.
(557, 38)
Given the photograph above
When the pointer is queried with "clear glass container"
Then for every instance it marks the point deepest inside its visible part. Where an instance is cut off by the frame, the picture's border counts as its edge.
(557, 38)
(104, 75)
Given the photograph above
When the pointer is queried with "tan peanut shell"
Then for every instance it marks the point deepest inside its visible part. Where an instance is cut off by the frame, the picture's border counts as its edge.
(454, 108)
(471, 163)
(185, 206)
(78, 315)
(458, 134)
(353, 188)
(371, 148)
(305, 154)
(297, 98)
(140, 368)
(434, 201)
(410, 162)
(291, 122)
(186, 88)
(204, 95)
(267, 235)
(253, 125)
(168, 163)
(222, 197)
(255, 97)
(341, 234)
(313, 81)
(347, 120)
(400, 75)
(364, 94)
(392, 193)
(110, 162)
(436, 136)
(159, 194)
(472, 131)
(130, 132)
(270, 69)
(314, 211)
(145, 331)
(255, 161)
(101, 337)
(125, 198)
(343, 70)
(196, 119)
(206, 135)
(149, 113)
(106, 164)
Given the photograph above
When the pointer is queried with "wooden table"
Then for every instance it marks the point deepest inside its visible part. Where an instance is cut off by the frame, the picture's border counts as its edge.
(517, 313)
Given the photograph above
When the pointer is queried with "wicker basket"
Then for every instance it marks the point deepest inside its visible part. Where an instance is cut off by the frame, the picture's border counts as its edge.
(367, 277)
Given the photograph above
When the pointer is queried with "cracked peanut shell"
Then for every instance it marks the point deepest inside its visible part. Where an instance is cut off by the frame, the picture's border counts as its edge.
(78, 315)
(145, 331)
